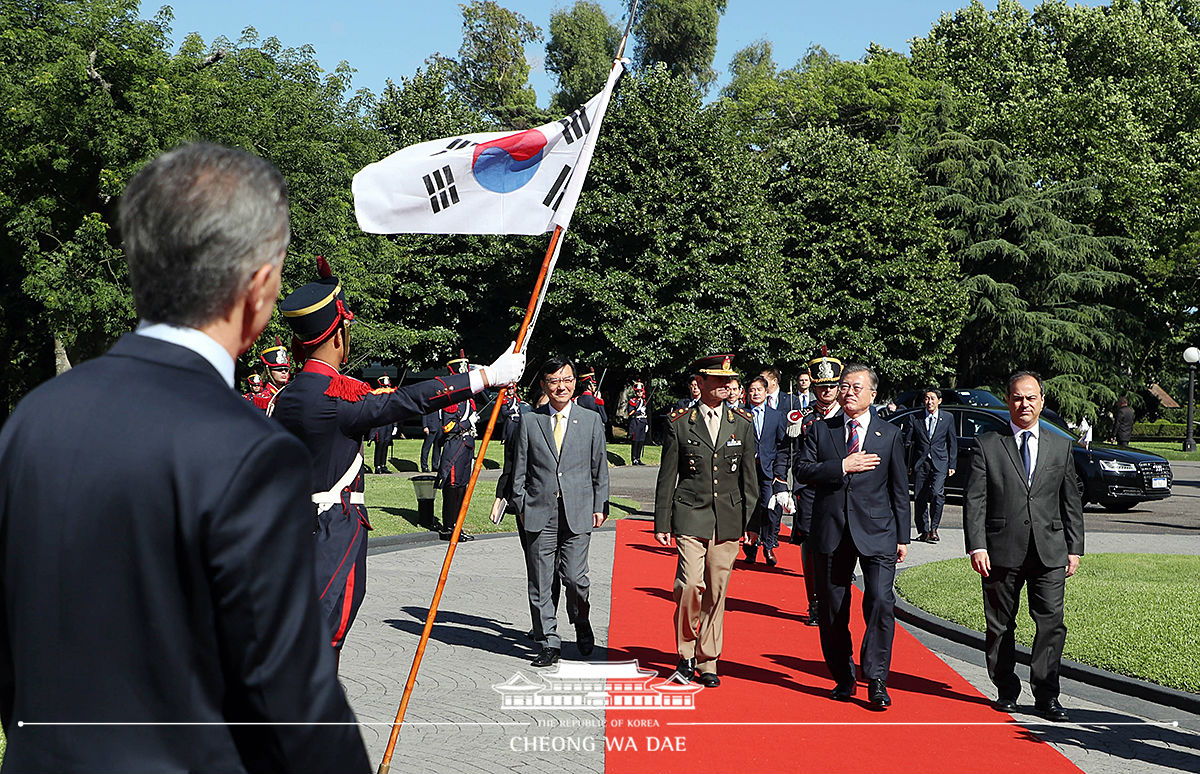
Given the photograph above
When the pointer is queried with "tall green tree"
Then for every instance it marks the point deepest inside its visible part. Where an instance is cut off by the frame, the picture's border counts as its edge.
(583, 42)
(493, 73)
(1039, 285)
(863, 260)
(1105, 94)
(680, 34)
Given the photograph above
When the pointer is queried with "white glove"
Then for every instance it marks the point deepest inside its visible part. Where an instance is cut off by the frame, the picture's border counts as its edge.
(786, 501)
(793, 429)
(507, 369)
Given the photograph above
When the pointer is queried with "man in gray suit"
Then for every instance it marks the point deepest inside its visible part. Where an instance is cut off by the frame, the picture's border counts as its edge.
(1024, 526)
(560, 492)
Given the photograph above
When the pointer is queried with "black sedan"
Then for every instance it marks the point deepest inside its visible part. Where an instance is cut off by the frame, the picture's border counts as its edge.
(1117, 479)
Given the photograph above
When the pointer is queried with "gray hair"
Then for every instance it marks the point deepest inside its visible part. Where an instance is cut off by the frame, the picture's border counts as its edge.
(858, 368)
(197, 222)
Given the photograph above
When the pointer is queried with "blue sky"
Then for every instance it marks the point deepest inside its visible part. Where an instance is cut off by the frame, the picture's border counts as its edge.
(385, 39)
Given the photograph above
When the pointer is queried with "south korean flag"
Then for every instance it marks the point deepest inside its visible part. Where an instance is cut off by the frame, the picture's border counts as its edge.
(524, 182)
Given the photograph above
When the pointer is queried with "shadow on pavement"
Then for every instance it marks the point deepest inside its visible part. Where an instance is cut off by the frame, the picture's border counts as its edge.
(1139, 742)
(470, 631)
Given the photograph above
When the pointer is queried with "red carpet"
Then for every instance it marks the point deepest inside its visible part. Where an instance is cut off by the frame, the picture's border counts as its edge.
(772, 673)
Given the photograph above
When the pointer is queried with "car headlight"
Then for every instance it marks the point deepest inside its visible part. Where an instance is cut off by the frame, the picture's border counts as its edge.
(1116, 466)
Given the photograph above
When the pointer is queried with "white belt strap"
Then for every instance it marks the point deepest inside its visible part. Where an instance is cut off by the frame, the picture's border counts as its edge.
(326, 500)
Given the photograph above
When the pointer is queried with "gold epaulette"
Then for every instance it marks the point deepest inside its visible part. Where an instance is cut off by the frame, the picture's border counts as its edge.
(679, 412)
(743, 413)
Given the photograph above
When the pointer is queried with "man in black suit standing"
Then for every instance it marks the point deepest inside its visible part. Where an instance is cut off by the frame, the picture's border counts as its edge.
(932, 444)
(1023, 521)
(770, 449)
(855, 465)
(163, 591)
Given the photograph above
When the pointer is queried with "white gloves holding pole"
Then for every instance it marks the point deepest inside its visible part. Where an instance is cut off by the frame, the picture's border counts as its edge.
(507, 369)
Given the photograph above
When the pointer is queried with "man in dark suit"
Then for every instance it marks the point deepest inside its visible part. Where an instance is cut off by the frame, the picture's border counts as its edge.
(855, 465)
(706, 519)
(932, 444)
(770, 446)
(560, 492)
(1023, 522)
(431, 427)
(164, 582)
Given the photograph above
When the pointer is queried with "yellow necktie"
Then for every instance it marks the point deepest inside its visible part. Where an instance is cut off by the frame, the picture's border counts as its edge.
(559, 430)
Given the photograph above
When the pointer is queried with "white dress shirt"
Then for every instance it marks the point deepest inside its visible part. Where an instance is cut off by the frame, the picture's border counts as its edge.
(197, 341)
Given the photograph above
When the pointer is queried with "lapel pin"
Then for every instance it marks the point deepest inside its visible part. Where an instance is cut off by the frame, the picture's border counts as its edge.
(878, 433)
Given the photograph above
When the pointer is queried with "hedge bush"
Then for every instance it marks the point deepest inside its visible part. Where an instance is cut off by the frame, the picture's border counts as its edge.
(1160, 429)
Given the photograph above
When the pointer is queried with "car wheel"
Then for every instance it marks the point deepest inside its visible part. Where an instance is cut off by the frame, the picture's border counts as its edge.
(1119, 506)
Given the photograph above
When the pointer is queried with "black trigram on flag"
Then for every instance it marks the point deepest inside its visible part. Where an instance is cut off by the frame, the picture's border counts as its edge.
(576, 125)
(455, 145)
(555, 194)
(440, 185)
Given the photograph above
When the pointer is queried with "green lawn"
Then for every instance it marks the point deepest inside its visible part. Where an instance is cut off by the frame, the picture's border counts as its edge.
(1172, 450)
(1134, 614)
(392, 500)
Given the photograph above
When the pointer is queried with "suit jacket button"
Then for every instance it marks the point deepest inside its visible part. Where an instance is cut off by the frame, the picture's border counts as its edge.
(1027, 521)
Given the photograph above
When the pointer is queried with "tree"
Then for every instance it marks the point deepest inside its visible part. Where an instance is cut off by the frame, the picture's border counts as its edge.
(863, 260)
(680, 34)
(1105, 94)
(493, 74)
(752, 68)
(1039, 286)
(583, 43)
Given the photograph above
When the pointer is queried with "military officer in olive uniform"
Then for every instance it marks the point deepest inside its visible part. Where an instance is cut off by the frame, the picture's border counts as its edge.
(706, 519)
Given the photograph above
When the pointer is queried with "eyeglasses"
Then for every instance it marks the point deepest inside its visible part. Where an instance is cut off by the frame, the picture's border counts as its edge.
(559, 380)
(854, 388)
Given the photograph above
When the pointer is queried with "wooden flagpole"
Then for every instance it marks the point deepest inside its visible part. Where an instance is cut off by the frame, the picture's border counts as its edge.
(539, 289)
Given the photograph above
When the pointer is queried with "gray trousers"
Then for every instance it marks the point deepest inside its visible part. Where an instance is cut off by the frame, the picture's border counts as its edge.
(556, 551)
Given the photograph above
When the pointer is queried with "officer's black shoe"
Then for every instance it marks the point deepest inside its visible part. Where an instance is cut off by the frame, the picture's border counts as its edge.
(708, 679)
(769, 555)
(686, 668)
(1005, 704)
(546, 657)
(878, 695)
(813, 619)
(751, 550)
(1051, 710)
(843, 691)
(585, 638)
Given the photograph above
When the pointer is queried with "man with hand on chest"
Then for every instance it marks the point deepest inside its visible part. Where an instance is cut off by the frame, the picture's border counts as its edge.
(707, 490)
(855, 465)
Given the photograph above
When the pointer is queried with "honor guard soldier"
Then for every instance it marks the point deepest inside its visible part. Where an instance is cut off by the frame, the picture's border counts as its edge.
(639, 422)
(706, 492)
(458, 452)
(590, 398)
(511, 411)
(332, 414)
(254, 382)
(825, 372)
(278, 367)
(382, 436)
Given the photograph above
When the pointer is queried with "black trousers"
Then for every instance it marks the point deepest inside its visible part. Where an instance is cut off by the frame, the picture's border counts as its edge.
(432, 443)
(1001, 600)
(383, 450)
(929, 485)
(834, 573)
(637, 438)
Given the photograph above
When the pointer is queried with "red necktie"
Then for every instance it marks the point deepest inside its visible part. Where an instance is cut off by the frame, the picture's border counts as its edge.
(852, 446)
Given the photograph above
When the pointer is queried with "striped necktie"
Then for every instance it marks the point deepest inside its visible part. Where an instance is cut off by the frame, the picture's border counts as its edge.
(853, 445)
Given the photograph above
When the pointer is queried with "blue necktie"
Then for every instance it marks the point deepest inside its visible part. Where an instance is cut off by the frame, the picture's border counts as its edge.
(1025, 456)
(758, 421)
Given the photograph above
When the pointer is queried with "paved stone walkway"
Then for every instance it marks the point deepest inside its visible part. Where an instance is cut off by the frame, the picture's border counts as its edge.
(455, 722)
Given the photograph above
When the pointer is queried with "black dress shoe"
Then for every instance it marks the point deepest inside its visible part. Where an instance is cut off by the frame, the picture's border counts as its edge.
(1004, 704)
(686, 668)
(769, 555)
(585, 638)
(1051, 710)
(708, 679)
(934, 537)
(843, 691)
(546, 657)
(877, 694)
(813, 619)
(751, 550)
(463, 537)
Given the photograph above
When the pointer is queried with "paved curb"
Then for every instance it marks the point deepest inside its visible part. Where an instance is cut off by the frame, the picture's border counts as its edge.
(1089, 675)
(383, 545)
